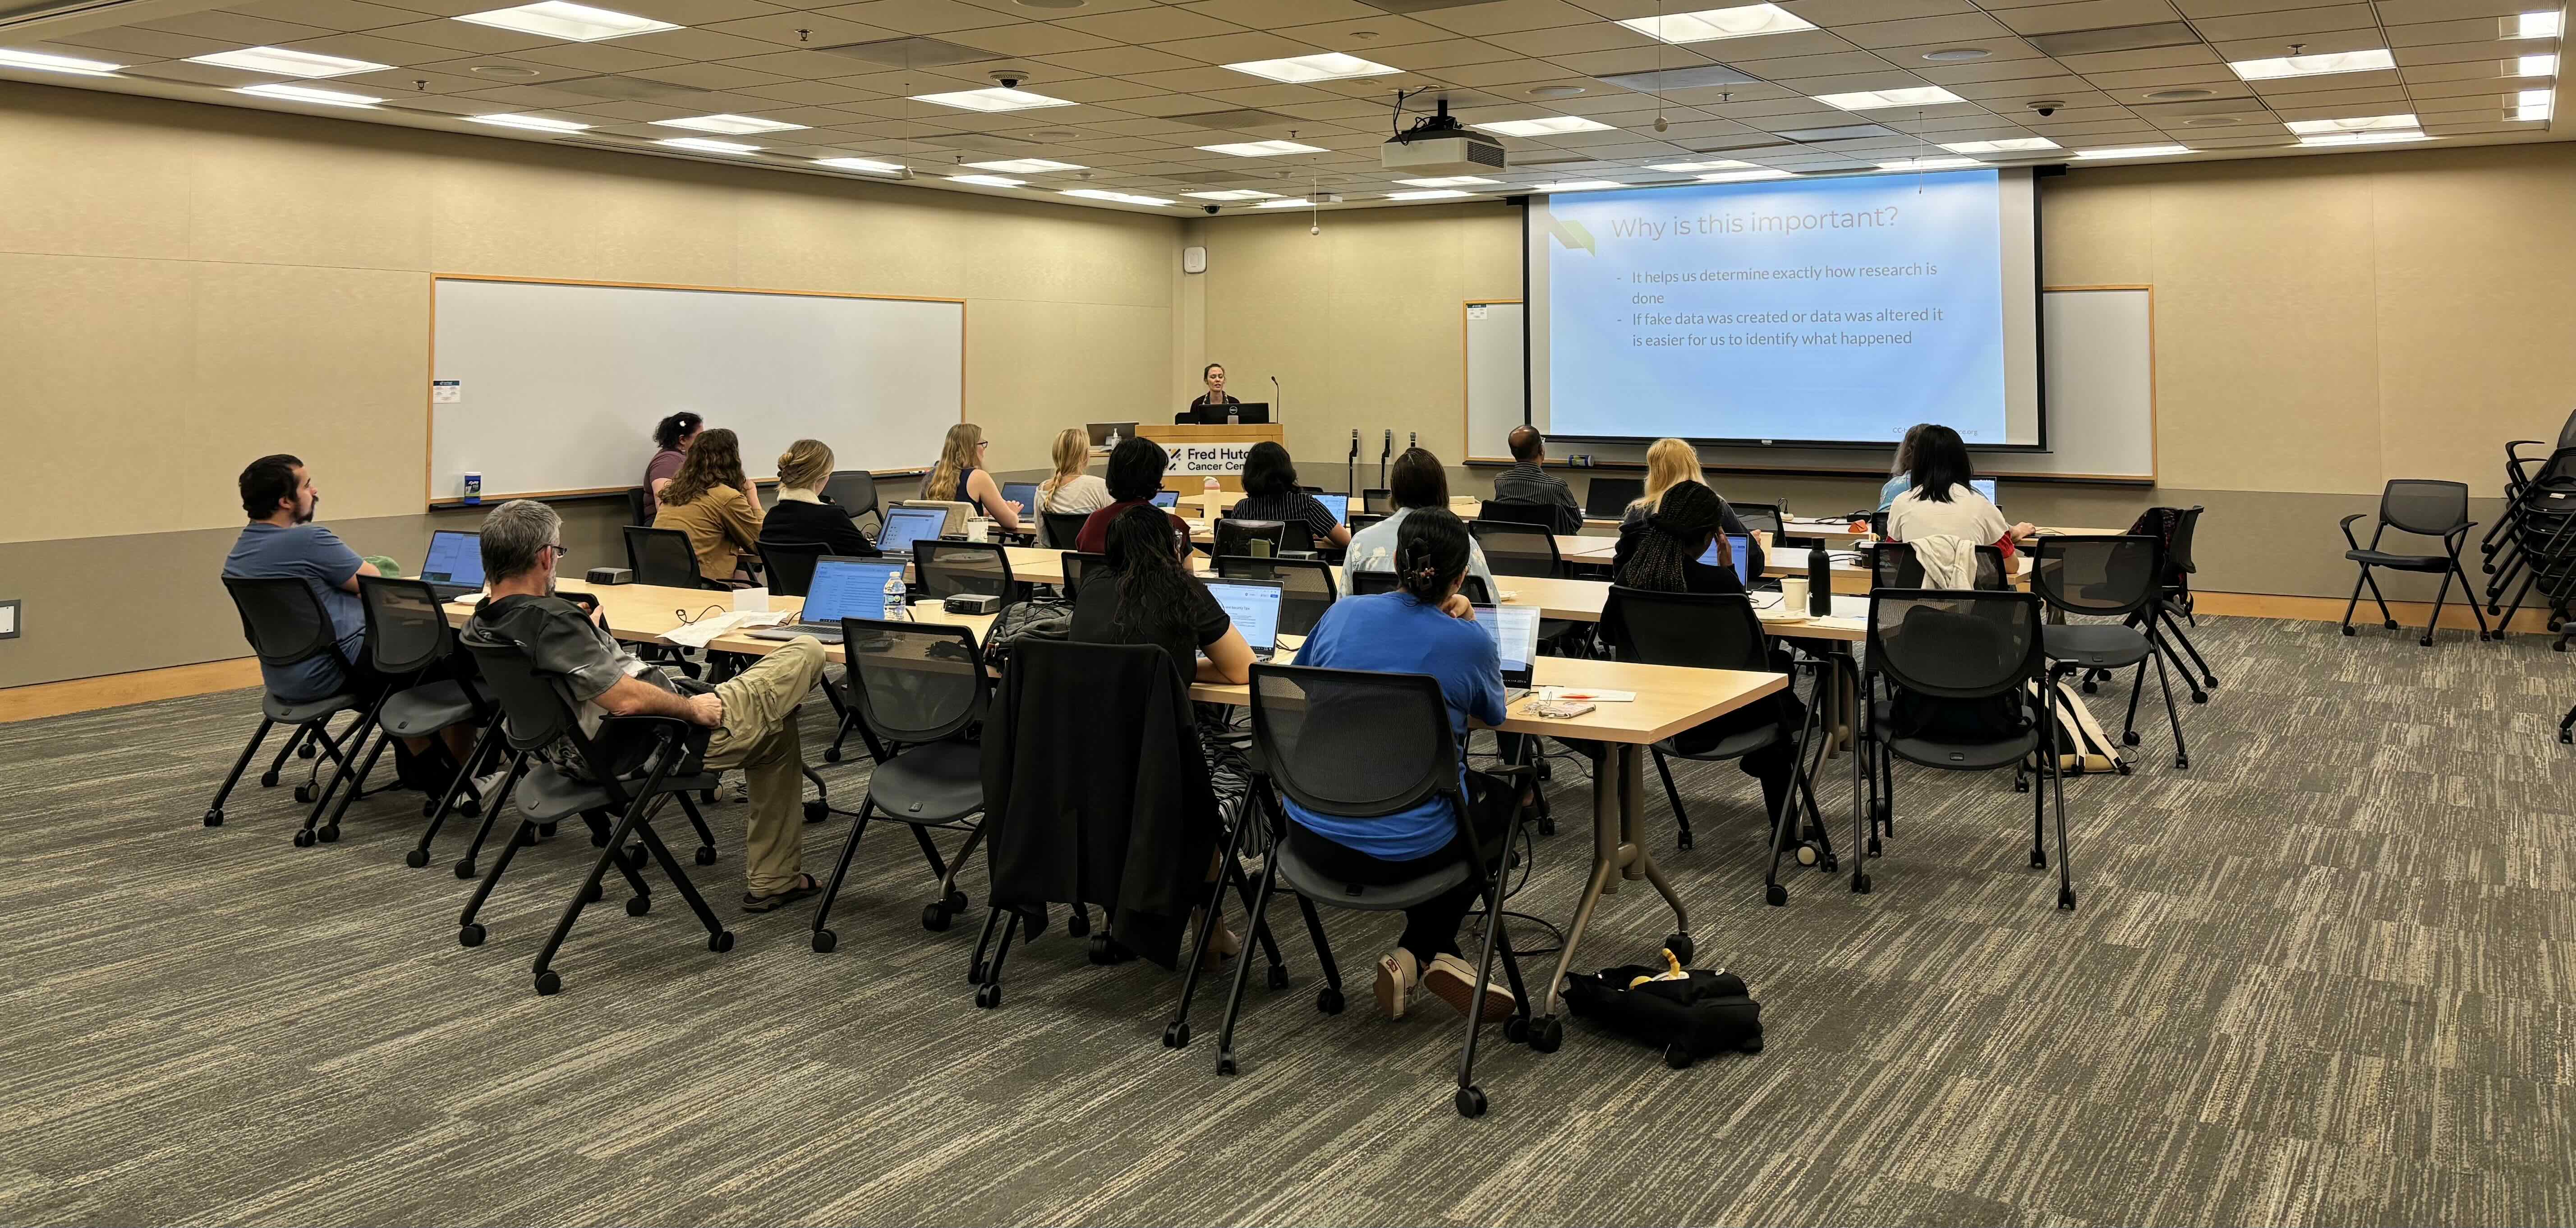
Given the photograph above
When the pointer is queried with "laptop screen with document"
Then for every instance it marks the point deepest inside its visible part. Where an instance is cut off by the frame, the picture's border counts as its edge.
(1514, 630)
(1738, 548)
(1338, 505)
(454, 558)
(906, 525)
(1253, 605)
(847, 588)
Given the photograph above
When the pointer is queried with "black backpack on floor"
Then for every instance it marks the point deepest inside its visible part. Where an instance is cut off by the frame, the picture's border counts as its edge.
(1709, 1014)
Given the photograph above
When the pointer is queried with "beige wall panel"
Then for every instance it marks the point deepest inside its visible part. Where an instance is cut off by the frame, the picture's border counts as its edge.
(97, 356)
(273, 199)
(1021, 358)
(2226, 222)
(2267, 384)
(505, 215)
(67, 188)
(1489, 251)
(2096, 231)
(843, 238)
(1125, 352)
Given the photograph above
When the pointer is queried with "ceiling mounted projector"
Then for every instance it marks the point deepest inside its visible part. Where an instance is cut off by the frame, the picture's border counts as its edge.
(1439, 145)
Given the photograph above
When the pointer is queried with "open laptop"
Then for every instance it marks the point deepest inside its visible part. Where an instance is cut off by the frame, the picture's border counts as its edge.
(1253, 605)
(1023, 493)
(1338, 505)
(1986, 487)
(906, 525)
(843, 587)
(1167, 499)
(1514, 630)
(1738, 557)
(1101, 431)
(1246, 412)
(454, 566)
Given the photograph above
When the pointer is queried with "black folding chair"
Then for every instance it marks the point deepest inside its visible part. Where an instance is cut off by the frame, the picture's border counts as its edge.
(287, 626)
(407, 636)
(2426, 508)
(1076, 566)
(1062, 529)
(856, 491)
(1235, 537)
(1608, 498)
(664, 557)
(1357, 746)
(1362, 520)
(641, 507)
(948, 569)
(2106, 577)
(918, 687)
(1306, 587)
(629, 766)
(1471, 587)
(790, 566)
(1516, 548)
(1496, 511)
(1960, 645)
(1894, 565)
(1377, 502)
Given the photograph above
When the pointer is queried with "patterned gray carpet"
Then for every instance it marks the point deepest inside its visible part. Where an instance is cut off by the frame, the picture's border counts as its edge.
(2328, 975)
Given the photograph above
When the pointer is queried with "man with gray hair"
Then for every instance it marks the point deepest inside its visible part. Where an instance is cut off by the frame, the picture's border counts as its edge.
(752, 714)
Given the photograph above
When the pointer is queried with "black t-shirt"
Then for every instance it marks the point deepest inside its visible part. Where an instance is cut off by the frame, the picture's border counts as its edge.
(1099, 618)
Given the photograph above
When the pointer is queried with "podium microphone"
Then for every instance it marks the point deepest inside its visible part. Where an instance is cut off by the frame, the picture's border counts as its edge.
(1277, 402)
(1351, 471)
(1384, 451)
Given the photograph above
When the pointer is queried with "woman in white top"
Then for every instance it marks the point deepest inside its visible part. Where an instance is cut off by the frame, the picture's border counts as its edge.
(1941, 503)
(1071, 491)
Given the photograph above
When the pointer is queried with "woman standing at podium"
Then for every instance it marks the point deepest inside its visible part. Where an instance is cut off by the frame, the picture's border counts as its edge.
(1214, 398)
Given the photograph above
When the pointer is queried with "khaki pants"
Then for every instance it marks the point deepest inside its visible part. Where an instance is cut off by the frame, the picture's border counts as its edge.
(759, 735)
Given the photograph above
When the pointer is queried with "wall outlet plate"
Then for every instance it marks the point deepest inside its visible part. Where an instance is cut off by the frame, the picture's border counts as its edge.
(9, 624)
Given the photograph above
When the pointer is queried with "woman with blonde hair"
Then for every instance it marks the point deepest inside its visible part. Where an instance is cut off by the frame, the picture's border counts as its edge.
(710, 500)
(803, 516)
(959, 477)
(1669, 463)
(1071, 490)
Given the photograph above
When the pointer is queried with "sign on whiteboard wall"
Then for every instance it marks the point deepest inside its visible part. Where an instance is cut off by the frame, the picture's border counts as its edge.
(1199, 460)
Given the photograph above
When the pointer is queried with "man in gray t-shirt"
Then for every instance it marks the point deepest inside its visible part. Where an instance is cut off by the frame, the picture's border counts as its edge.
(281, 541)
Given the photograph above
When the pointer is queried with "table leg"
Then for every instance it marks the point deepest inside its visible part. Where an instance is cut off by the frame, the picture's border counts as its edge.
(1860, 799)
(1637, 860)
(1606, 819)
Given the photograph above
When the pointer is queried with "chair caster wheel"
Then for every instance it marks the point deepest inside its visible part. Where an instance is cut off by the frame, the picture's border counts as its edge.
(304, 793)
(2129, 737)
(1682, 841)
(988, 996)
(956, 902)
(545, 831)
(934, 917)
(305, 751)
(1830, 864)
(1471, 1102)
(2123, 767)
(2038, 859)
(526, 837)
(1225, 1065)
(2391, 624)
(2091, 687)
(2211, 681)
(816, 811)
(638, 905)
(1677, 1057)
(831, 754)
(1176, 1036)
(416, 858)
(2425, 642)
(1547, 825)
(470, 809)
(1278, 976)
(720, 941)
(2200, 697)
(1078, 925)
(633, 856)
(469, 935)
(1806, 853)
(1873, 847)
(1329, 1000)
(1775, 895)
(1860, 884)
(215, 818)
(2182, 763)
(268, 780)
(548, 984)
(428, 808)
(1516, 1030)
(2021, 784)
(303, 839)
(465, 870)
(2065, 899)
(825, 942)
(1546, 1033)
(706, 797)
(2349, 631)
(706, 855)
(329, 834)
(1680, 946)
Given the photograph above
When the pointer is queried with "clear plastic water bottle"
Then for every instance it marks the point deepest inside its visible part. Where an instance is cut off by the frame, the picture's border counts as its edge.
(895, 609)
(1112, 442)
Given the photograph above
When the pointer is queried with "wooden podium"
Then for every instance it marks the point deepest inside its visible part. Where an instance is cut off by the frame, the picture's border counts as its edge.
(1177, 436)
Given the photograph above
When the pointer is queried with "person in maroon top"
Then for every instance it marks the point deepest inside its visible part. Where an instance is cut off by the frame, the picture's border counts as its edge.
(1135, 476)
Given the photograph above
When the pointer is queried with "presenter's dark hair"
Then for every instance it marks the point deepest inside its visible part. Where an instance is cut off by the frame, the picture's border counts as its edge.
(267, 481)
(1430, 554)
(1136, 469)
(1418, 480)
(1267, 471)
(676, 428)
(1940, 462)
(1210, 367)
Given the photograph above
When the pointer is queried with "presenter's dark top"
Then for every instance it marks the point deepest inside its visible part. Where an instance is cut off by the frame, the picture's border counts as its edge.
(1195, 413)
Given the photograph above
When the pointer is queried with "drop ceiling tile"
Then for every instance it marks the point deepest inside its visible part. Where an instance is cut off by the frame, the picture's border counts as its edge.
(1272, 14)
(2211, 76)
(415, 82)
(920, 16)
(1845, 83)
(1267, 95)
(2289, 87)
(1159, 104)
(1426, 57)
(805, 93)
(238, 29)
(2315, 44)
(1985, 70)
(685, 12)
(2087, 15)
(2498, 88)
(1098, 89)
(716, 76)
(1954, 29)
(695, 45)
(2032, 87)
(1331, 112)
(1381, 30)
(804, 31)
(2464, 53)
(1503, 16)
(2288, 23)
(1520, 74)
(1240, 47)
(1193, 80)
(536, 71)
(597, 57)
(138, 45)
(466, 36)
(1793, 67)
(632, 112)
(2466, 30)
(1616, 63)
(2495, 72)
(2407, 12)
(2152, 57)
(345, 15)
(530, 96)
(1117, 61)
(1569, 40)
(1150, 25)
(1032, 38)
(1838, 13)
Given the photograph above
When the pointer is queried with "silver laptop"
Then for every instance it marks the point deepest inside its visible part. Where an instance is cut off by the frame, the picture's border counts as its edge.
(1514, 630)
(906, 524)
(843, 587)
(1253, 605)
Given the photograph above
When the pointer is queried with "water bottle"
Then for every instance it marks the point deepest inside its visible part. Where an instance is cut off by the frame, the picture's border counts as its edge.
(1820, 581)
(1112, 443)
(895, 609)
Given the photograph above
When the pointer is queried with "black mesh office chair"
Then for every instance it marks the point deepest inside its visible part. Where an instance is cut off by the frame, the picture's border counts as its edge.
(1232, 536)
(2426, 508)
(407, 636)
(630, 766)
(1377, 501)
(1608, 498)
(1967, 647)
(2539, 498)
(1306, 587)
(1471, 587)
(1494, 511)
(1362, 520)
(917, 686)
(1893, 565)
(1514, 548)
(1077, 565)
(287, 626)
(856, 491)
(2106, 577)
(1061, 529)
(1361, 746)
(664, 557)
(947, 569)
(790, 566)
(641, 506)
(1761, 518)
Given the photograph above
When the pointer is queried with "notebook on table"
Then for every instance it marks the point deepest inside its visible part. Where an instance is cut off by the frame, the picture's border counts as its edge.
(1253, 606)
(843, 587)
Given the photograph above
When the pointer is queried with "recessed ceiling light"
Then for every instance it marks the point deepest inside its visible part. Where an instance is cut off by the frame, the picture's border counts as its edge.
(1553, 125)
(2534, 25)
(538, 122)
(730, 125)
(503, 70)
(1555, 91)
(2013, 145)
(1232, 194)
(306, 93)
(1262, 149)
(1928, 164)
(1027, 166)
(1429, 194)
(1580, 185)
(1124, 198)
(2360, 123)
(2135, 151)
(993, 100)
(1452, 181)
(1054, 134)
(2363, 138)
(988, 181)
(2532, 104)
(1294, 203)
(286, 63)
(578, 23)
(56, 63)
(1298, 70)
(2536, 66)
(1744, 176)
(1742, 22)
(1685, 168)
(703, 145)
(865, 165)
(1870, 100)
(2211, 121)
(2313, 65)
(2178, 95)
(1956, 55)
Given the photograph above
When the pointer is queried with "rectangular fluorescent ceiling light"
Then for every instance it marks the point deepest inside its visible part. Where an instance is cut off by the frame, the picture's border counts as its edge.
(1686, 168)
(2532, 104)
(1028, 166)
(868, 165)
(578, 23)
(1431, 194)
(1453, 181)
(1262, 149)
(2362, 138)
(703, 145)
(730, 125)
(2535, 25)
(1707, 24)
(536, 122)
(1124, 198)
(1871, 100)
(1928, 164)
(1298, 70)
(987, 181)
(1746, 176)
(1554, 125)
(1232, 194)
(286, 63)
(55, 63)
(2014, 145)
(2313, 65)
(993, 100)
(1580, 185)
(2536, 66)
(1298, 202)
(2135, 151)
(2363, 123)
(306, 93)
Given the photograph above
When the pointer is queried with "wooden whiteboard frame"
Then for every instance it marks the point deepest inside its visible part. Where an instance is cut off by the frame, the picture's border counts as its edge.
(1466, 412)
(429, 406)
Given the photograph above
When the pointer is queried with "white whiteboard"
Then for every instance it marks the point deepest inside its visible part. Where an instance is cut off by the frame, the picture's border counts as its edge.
(2099, 359)
(1497, 381)
(559, 385)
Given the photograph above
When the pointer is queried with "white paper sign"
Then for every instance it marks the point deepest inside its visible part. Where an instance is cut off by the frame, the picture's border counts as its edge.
(1476, 311)
(446, 391)
(1208, 459)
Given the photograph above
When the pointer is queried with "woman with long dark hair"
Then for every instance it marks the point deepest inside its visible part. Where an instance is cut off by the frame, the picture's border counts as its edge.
(1943, 501)
(1142, 596)
(1270, 493)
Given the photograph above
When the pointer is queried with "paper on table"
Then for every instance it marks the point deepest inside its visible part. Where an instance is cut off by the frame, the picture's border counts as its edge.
(704, 631)
(1598, 696)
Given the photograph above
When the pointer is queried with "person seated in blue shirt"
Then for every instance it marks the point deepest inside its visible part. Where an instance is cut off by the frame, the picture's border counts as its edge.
(1425, 627)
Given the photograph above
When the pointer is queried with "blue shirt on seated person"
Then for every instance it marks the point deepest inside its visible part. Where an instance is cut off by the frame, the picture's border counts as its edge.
(1394, 633)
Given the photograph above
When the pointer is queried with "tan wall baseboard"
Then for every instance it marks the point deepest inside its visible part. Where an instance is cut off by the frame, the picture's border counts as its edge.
(2456, 615)
(27, 703)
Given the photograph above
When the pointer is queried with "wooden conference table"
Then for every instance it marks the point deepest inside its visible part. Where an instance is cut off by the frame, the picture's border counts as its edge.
(1668, 700)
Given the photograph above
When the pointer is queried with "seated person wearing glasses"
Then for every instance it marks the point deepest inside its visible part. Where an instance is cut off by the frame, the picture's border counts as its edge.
(1135, 477)
(1141, 595)
(1424, 627)
(1270, 493)
(753, 713)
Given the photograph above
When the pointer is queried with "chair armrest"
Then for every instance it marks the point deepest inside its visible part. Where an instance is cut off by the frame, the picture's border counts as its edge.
(663, 726)
(2346, 525)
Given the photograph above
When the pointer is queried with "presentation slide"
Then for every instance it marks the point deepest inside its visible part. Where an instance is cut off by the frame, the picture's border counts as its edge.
(1819, 310)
